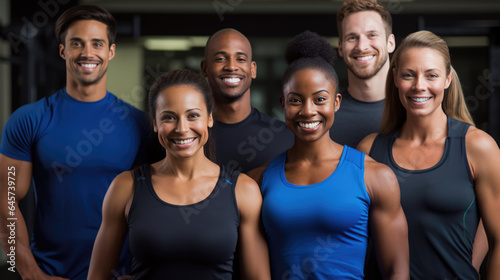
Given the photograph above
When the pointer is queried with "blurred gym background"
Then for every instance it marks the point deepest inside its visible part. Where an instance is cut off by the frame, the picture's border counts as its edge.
(155, 36)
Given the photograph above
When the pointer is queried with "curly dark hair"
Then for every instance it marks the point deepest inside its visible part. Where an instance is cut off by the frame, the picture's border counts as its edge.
(310, 50)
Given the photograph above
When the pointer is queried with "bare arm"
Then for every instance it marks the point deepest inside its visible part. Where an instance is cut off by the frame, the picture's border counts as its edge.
(388, 221)
(254, 252)
(113, 230)
(15, 180)
(484, 159)
(366, 144)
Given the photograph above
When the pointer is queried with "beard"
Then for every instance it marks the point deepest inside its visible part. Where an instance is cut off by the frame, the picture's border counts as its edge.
(367, 73)
(231, 97)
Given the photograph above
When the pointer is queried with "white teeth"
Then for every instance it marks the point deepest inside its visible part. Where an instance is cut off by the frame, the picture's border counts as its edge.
(182, 142)
(89, 65)
(309, 125)
(363, 58)
(420, 99)
(232, 80)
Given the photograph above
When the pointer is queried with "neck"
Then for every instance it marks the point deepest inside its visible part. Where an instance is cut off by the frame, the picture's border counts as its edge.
(86, 93)
(368, 90)
(426, 128)
(233, 112)
(314, 151)
(184, 168)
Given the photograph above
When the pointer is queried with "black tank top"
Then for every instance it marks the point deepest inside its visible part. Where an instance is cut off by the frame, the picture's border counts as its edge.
(194, 241)
(440, 207)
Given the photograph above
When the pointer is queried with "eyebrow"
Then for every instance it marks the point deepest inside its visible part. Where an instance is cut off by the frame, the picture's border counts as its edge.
(93, 40)
(225, 53)
(173, 113)
(296, 93)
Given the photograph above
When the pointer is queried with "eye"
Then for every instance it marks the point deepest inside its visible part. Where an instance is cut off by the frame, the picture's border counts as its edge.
(168, 118)
(321, 99)
(241, 59)
(194, 115)
(219, 59)
(98, 44)
(351, 38)
(76, 44)
(406, 75)
(294, 100)
(433, 76)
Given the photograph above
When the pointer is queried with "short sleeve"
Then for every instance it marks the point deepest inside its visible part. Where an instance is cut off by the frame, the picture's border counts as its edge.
(18, 135)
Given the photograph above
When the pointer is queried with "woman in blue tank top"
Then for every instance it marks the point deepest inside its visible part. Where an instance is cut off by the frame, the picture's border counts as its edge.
(448, 170)
(184, 215)
(319, 196)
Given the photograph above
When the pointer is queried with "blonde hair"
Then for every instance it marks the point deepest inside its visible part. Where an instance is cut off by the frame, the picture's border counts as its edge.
(453, 104)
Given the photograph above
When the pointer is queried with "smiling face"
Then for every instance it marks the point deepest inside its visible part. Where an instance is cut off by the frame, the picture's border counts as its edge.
(309, 101)
(182, 121)
(421, 78)
(228, 65)
(365, 45)
(87, 52)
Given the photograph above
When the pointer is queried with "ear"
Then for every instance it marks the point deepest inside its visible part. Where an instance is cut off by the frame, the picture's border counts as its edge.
(155, 127)
(338, 100)
(449, 78)
(112, 51)
(391, 43)
(282, 103)
(210, 120)
(253, 69)
(61, 51)
(340, 49)
(203, 66)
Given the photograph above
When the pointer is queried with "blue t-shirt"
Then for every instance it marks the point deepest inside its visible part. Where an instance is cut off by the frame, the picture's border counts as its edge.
(76, 148)
(317, 231)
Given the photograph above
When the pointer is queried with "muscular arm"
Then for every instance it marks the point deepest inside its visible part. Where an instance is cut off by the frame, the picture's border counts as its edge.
(254, 252)
(113, 230)
(19, 173)
(484, 159)
(366, 144)
(388, 221)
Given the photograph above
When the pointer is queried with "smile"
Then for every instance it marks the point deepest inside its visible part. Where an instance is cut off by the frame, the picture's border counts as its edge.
(364, 58)
(232, 80)
(183, 142)
(88, 66)
(419, 99)
(309, 125)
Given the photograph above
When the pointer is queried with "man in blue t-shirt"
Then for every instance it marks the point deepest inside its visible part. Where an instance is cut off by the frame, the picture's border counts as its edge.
(245, 138)
(72, 144)
(365, 42)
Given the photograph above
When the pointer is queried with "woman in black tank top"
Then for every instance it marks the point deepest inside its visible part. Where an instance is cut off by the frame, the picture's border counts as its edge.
(448, 170)
(184, 215)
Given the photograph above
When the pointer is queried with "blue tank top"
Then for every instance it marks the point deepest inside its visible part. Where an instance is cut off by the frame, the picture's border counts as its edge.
(317, 231)
(440, 207)
(194, 241)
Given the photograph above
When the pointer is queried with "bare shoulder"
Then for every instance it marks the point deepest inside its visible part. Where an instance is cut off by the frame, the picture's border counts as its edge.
(122, 187)
(380, 180)
(247, 193)
(256, 174)
(366, 144)
(479, 142)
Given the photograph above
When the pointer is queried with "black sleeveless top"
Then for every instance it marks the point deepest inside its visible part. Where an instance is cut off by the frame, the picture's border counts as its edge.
(194, 241)
(440, 207)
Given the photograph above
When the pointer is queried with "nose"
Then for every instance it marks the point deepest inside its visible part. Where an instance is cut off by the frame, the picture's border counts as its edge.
(362, 43)
(420, 83)
(182, 126)
(86, 51)
(308, 109)
(230, 65)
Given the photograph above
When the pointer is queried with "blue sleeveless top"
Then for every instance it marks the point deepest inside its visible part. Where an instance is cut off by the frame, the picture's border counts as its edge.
(317, 231)
(196, 241)
(440, 207)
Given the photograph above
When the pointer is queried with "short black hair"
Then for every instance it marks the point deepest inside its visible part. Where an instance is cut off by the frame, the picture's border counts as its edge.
(85, 12)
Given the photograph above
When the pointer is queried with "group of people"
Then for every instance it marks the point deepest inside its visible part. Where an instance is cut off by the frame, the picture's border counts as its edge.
(390, 170)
